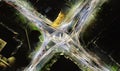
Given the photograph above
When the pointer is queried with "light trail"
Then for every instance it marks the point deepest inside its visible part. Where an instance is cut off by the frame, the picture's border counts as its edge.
(65, 43)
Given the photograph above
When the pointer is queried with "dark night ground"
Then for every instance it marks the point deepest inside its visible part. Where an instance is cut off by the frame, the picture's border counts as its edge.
(108, 22)
(49, 8)
(64, 64)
